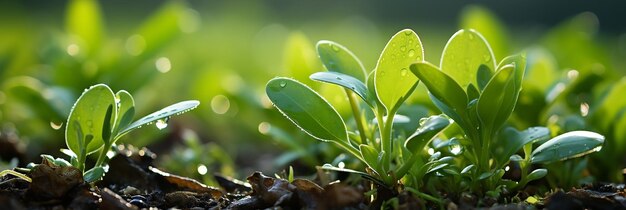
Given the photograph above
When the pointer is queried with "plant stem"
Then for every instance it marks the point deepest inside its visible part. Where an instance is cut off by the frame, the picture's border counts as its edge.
(17, 174)
(407, 165)
(103, 155)
(357, 115)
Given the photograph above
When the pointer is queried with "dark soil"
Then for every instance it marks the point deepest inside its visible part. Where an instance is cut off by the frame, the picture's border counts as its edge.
(133, 183)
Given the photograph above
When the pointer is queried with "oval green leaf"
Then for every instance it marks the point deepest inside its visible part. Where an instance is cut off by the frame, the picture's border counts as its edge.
(429, 128)
(307, 110)
(515, 140)
(87, 118)
(393, 82)
(347, 82)
(463, 54)
(568, 145)
(337, 58)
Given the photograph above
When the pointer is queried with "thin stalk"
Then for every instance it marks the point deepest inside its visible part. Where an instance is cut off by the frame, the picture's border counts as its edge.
(17, 174)
(407, 165)
(357, 115)
(103, 155)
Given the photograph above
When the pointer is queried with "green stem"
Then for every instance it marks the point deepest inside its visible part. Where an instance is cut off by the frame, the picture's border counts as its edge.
(357, 115)
(103, 155)
(406, 166)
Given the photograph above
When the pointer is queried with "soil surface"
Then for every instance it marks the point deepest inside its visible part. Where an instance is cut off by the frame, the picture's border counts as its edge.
(133, 183)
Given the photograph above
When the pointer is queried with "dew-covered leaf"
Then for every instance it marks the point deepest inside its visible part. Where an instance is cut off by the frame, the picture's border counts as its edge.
(165, 113)
(463, 54)
(337, 58)
(307, 110)
(393, 81)
(429, 128)
(347, 82)
(568, 145)
(87, 118)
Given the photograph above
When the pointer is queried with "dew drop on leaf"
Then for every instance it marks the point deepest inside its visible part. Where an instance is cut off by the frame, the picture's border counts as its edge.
(56, 125)
(487, 58)
(162, 123)
(404, 72)
(283, 84)
(471, 36)
(403, 48)
(412, 53)
(335, 48)
(338, 78)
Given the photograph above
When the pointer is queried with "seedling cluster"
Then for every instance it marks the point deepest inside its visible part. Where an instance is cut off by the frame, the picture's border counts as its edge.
(476, 95)
(97, 120)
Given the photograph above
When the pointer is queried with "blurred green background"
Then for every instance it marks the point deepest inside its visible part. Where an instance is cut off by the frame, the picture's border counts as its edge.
(223, 52)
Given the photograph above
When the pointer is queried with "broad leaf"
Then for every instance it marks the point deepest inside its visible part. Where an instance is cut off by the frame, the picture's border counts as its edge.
(165, 113)
(463, 54)
(307, 110)
(429, 128)
(494, 103)
(87, 118)
(393, 81)
(347, 82)
(443, 89)
(337, 58)
(568, 145)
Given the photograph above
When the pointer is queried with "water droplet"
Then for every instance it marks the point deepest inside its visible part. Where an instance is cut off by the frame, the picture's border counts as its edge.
(456, 149)
(382, 73)
(393, 44)
(202, 169)
(334, 47)
(162, 123)
(283, 84)
(412, 53)
(404, 72)
(487, 58)
(407, 32)
(403, 48)
(471, 36)
(56, 125)
(338, 78)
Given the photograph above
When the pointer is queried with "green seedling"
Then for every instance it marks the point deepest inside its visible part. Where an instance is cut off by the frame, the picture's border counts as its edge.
(381, 92)
(480, 96)
(98, 119)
